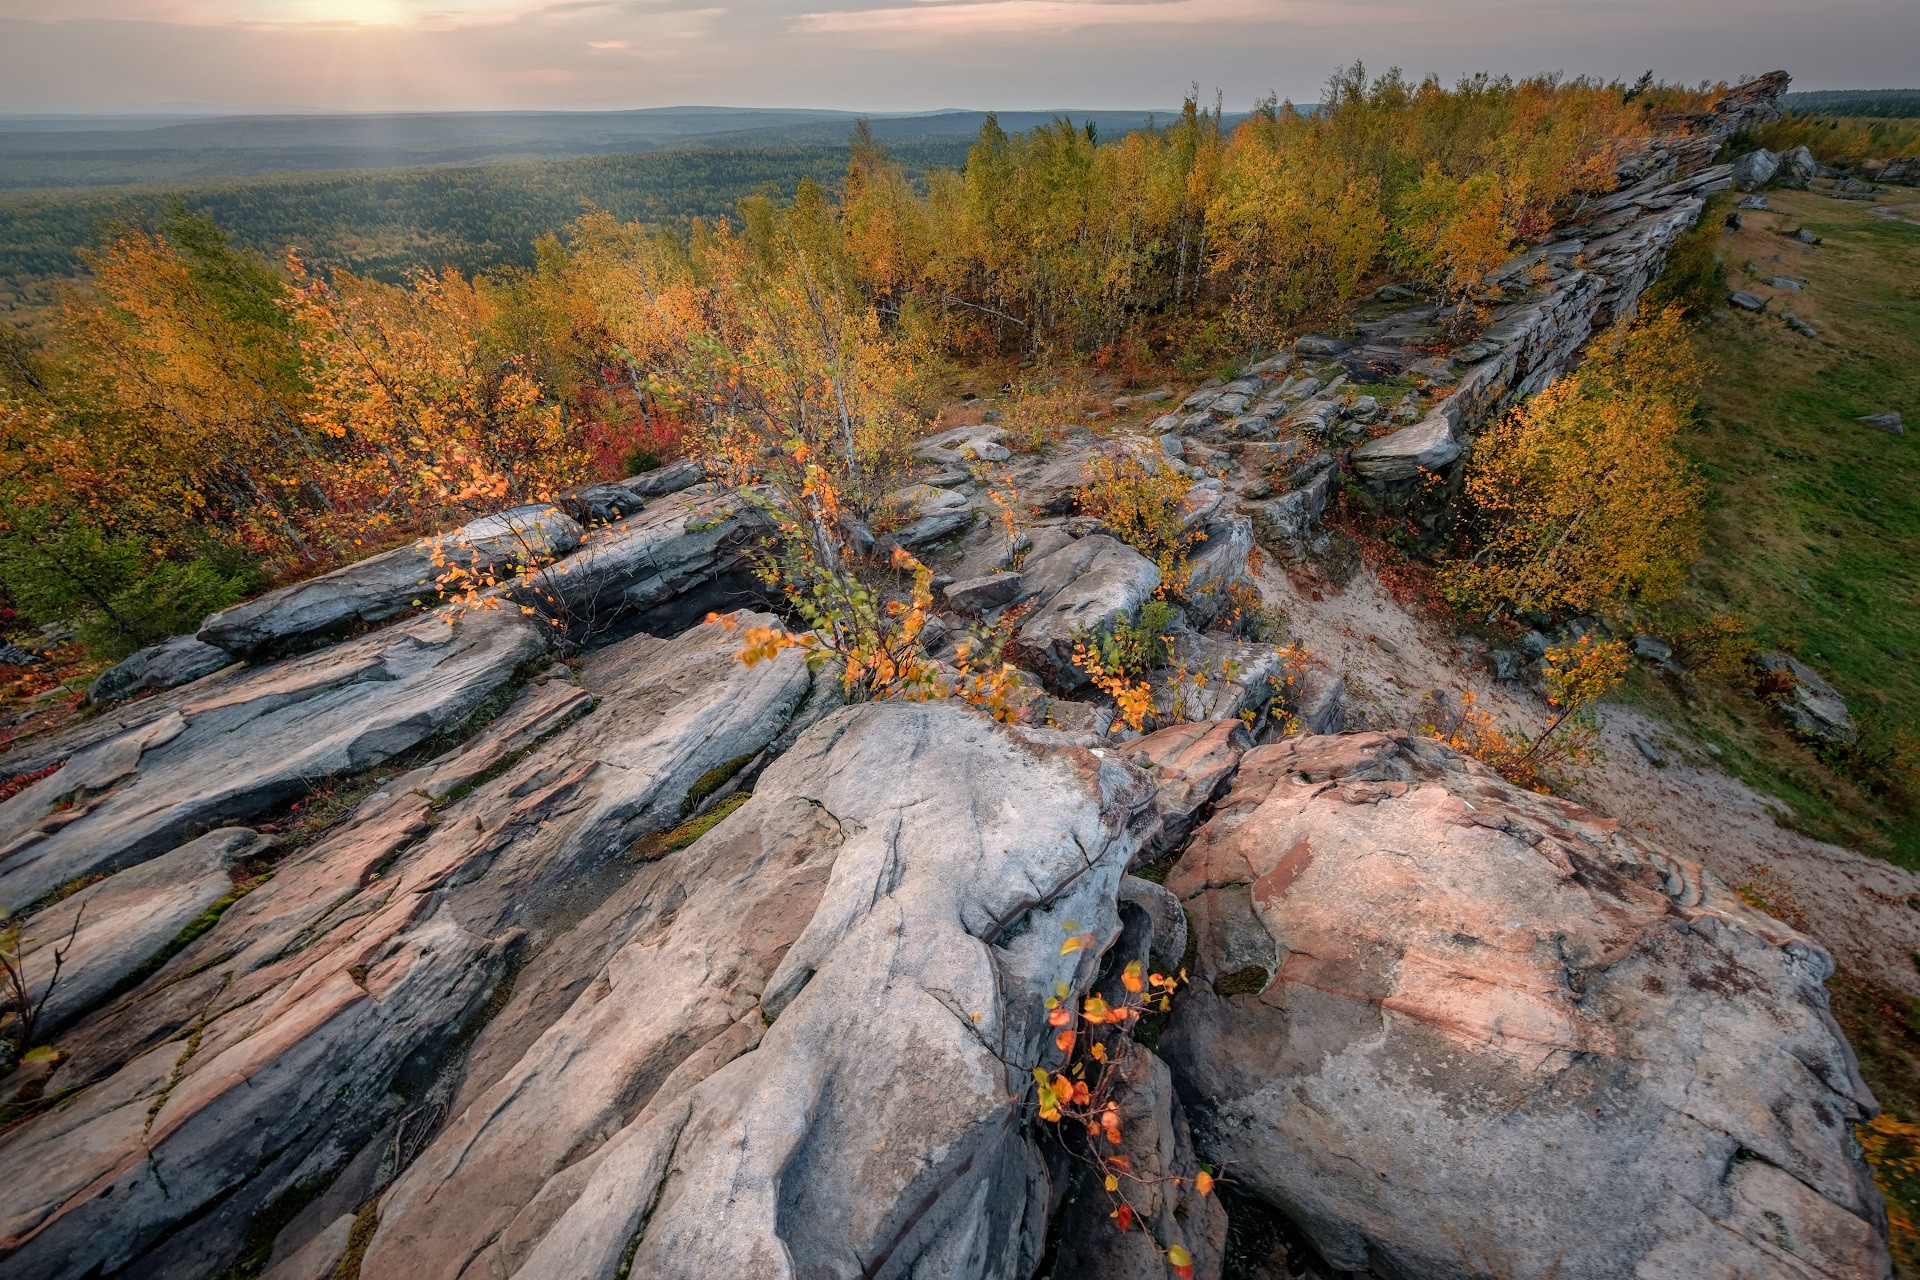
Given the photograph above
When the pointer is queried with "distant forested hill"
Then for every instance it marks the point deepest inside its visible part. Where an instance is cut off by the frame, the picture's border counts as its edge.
(382, 222)
(43, 151)
(1888, 104)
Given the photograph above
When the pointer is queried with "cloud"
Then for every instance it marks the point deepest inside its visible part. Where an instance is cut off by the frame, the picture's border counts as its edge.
(941, 19)
(888, 55)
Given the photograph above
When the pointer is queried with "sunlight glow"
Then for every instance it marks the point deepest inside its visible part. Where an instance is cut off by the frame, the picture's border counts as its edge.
(371, 13)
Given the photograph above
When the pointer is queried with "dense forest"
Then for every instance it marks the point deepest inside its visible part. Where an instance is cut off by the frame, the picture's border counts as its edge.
(383, 222)
(1884, 103)
(51, 151)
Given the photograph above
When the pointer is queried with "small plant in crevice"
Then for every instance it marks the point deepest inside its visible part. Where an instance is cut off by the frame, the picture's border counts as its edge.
(530, 581)
(1118, 659)
(20, 1008)
(1078, 1101)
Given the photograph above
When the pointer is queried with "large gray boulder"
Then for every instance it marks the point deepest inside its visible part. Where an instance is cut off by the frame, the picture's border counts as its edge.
(1797, 168)
(318, 1009)
(1082, 588)
(1219, 567)
(805, 1052)
(1755, 169)
(166, 665)
(1457, 1029)
(389, 584)
(1810, 706)
(930, 514)
(677, 543)
(1426, 446)
(254, 743)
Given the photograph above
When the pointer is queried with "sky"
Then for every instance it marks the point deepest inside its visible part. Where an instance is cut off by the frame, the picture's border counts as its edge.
(891, 55)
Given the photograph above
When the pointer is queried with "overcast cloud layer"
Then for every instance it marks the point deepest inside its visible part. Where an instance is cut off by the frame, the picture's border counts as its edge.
(890, 55)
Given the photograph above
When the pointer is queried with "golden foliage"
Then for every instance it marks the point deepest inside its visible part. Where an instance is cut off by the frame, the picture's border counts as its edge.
(1143, 508)
(1577, 676)
(1580, 499)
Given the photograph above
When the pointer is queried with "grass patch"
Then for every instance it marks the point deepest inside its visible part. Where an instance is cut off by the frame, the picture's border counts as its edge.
(661, 843)
(712, 780)
(1813, 526)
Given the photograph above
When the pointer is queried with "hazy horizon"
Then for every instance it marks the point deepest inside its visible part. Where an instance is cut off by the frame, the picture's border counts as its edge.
(130, 57)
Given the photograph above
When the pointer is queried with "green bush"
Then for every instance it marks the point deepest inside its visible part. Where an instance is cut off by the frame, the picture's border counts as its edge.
(1135, 648)
(111, 588)
(1694, 279)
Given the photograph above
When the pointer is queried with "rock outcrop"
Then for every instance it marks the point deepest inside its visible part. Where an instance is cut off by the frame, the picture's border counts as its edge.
(166, 665)
(654, 963)
(253, 744)
(1082, 588)
(389, 584)
(802, 1053)
(317, 1011)
(1460, 1030)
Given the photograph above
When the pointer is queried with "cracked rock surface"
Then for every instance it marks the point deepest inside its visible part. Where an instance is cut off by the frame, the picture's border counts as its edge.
(1460, 1029)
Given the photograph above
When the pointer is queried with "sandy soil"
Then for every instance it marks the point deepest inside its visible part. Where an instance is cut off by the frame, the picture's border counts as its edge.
(1865, 911)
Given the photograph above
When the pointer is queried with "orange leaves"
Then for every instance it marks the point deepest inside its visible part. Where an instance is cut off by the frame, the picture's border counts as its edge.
(1132, 698)
(762, 643)
(1083, 1092)
(1144, 510)
(1203, 1183)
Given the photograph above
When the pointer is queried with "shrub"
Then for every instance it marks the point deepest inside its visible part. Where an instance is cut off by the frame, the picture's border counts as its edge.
(67, 570)
(1143, 508)
(1580, 499)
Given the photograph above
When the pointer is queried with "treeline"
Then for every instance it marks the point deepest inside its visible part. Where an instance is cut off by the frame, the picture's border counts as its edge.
(1888, 104)
(203, 415)
(383, 223)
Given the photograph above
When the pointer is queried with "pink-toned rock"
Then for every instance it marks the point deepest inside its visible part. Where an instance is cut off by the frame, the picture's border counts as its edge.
(1459, 1029)
(1190, 764)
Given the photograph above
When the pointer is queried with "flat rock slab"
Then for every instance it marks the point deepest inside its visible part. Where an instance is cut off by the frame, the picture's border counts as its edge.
(111, 928)
(253, 743)
(797, 1058)
(318, 1007)
(1458, 1029)
(1427, 445)
(389, 584)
